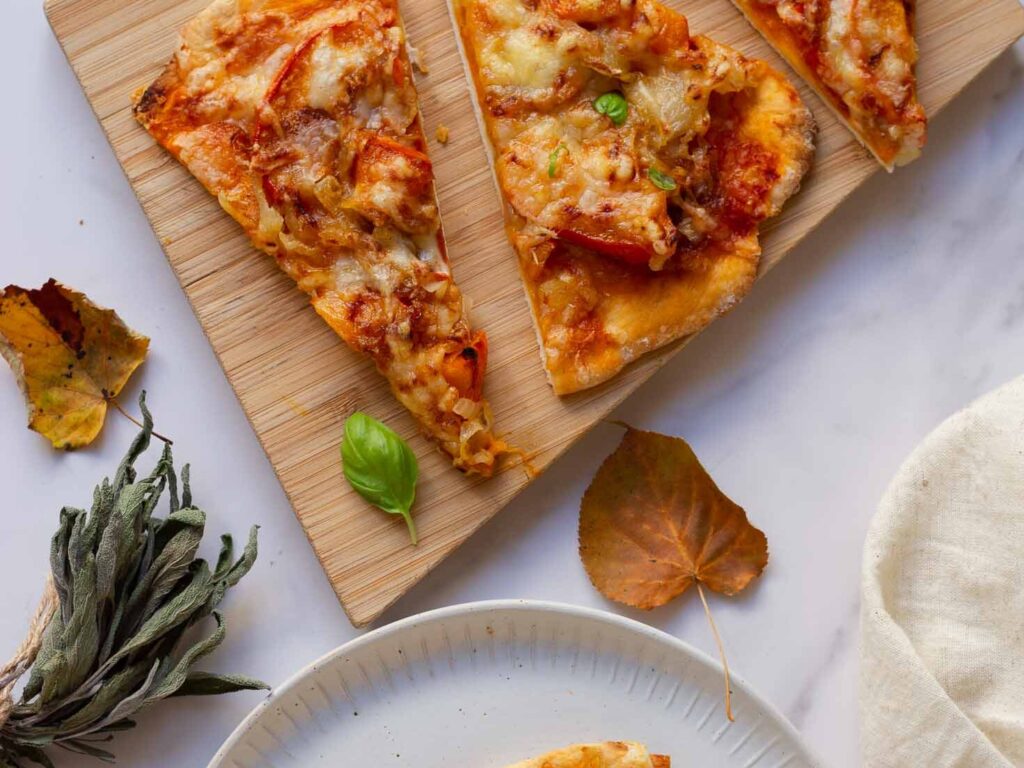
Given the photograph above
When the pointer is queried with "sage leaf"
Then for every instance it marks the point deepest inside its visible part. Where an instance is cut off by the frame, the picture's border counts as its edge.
(79, 747)
(129, 588)
(186, 489)
(117, 687)
(129, 705)
(245, 562)
(77, 548)
(207, 684)
(82, 639)
(172, 614)
(227, 552)
(169, 566)
(120, 725)
(58, 546)
(380, 466)
(119, 539)
(115, 624)
(174, 679)
(30, 753)
(52, 638)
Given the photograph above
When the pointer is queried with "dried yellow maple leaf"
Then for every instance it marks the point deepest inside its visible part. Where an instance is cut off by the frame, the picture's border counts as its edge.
(70, 357)
(653, 523)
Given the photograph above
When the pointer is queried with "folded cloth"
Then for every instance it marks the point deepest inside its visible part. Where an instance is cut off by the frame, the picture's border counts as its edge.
(942, 611)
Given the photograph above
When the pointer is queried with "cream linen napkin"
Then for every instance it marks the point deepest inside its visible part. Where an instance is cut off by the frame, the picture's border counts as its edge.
(942, 616)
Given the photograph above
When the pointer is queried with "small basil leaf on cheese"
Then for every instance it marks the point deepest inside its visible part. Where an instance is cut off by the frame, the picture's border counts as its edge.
(553, 159)
(380, 466)
(661, 180)
(613, 105)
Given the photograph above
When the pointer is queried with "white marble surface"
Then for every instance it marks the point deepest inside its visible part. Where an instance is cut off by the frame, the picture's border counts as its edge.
(904, 306)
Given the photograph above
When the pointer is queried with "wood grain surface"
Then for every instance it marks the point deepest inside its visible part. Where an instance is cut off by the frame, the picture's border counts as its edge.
(298, 382)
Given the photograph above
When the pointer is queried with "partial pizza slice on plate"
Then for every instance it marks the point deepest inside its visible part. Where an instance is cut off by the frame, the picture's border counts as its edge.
(636, 162)
(608, 754)
(859, 55)
(301, 117)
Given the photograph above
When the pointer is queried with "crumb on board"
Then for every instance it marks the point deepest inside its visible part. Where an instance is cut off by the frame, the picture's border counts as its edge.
(167, 241)
(442, 134)
(416, 57)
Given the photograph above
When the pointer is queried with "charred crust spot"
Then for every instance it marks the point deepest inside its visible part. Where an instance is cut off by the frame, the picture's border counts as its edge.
(469, 353)
(151, 98)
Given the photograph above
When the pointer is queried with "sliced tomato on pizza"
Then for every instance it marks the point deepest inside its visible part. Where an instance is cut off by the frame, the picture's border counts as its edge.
(636, 162)
(301, 117)
(859, 55)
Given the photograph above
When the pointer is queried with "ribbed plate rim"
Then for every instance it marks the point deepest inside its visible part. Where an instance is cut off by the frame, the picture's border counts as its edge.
(498, 607)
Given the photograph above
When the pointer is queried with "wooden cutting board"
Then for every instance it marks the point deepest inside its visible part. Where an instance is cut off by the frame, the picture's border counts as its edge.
(297, 382)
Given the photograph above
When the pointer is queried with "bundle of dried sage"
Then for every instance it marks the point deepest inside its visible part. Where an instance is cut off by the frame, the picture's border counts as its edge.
(128, 586)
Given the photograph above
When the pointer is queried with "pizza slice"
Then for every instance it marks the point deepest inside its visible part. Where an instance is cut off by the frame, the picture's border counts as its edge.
(859, 56)
(301, 117)
(609, 754)
(635, 162)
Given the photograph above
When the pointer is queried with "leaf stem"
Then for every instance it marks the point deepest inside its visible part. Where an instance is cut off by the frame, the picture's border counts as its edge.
(136, 422)
(412, 528)
(721, 654)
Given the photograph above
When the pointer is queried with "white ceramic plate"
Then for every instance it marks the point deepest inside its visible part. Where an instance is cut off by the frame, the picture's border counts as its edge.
(486, 684)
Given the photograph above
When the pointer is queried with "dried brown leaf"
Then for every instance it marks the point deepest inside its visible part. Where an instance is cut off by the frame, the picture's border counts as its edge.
(653, 522)
(70, 358)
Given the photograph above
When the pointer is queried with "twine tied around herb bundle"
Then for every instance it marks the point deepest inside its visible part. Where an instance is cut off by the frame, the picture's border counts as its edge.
(108, 638)
(26, 654)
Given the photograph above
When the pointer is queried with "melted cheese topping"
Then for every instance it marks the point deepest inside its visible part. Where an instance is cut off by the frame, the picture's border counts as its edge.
(523, 58)
(860, 54)
(602, 211)
(301, 117)
(332, 66)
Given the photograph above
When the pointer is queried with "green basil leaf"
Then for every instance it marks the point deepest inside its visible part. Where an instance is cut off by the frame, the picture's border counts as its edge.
(380, 466)
(553, 159)
(614, 105)
(661, 180)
